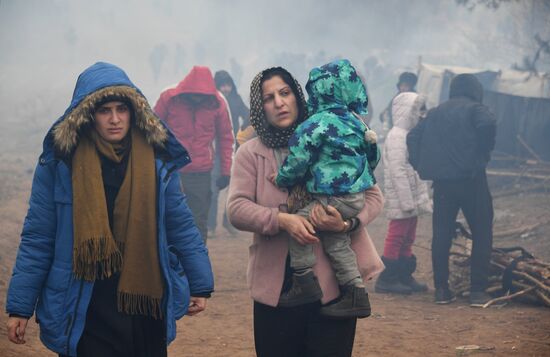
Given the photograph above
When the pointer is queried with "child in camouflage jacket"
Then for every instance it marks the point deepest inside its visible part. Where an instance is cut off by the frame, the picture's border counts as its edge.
(334, 153)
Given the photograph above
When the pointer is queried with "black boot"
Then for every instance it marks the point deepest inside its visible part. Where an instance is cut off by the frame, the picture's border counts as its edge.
(304, 290)
(388, 281)
(407, 266)
(353, 302)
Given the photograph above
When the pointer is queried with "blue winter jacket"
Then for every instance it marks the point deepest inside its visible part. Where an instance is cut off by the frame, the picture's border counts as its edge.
(43, 278)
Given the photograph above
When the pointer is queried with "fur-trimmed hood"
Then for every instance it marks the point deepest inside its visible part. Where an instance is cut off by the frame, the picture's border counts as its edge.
(97, 82)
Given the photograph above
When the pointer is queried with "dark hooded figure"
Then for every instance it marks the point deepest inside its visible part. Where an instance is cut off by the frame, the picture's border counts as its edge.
(110, 256)
(239, 110)
(452, 147)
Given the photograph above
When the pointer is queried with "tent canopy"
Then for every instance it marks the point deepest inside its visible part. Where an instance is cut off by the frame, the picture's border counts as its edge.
(519, 100)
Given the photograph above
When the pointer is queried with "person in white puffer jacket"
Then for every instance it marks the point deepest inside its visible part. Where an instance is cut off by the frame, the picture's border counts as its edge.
(406, 198)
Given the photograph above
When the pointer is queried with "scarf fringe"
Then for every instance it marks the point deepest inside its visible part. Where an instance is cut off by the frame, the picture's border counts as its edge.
(137, 304)
(97, 258)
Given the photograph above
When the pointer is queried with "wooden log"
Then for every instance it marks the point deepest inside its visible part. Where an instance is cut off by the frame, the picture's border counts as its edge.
(528, 148)
(516, 174)
(543, 297)
(508, 297)
(531, 279)
(531, 266)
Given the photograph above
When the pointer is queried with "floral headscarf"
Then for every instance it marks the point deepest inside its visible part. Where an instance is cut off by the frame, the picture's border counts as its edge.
(270, 135)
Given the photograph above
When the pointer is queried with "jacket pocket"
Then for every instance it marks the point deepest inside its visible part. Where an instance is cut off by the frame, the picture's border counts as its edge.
(252, 264)
(180, 285)
(51, 307)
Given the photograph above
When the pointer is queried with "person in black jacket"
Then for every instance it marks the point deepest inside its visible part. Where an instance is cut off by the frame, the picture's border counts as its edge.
(240, 119)
(452, 147)
(239, 111)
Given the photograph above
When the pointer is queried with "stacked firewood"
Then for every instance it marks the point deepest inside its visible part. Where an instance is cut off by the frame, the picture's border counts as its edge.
(514, 272)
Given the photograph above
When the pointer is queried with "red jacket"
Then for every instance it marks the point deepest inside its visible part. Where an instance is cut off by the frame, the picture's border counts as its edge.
(196, 127)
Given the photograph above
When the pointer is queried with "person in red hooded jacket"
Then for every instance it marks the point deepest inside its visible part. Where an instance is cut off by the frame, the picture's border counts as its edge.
(198, 115)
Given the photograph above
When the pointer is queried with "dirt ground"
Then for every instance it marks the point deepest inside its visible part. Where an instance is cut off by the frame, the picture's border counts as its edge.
(399, 326)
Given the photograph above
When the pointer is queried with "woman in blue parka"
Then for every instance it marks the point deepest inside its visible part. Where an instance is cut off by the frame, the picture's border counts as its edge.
(110, 256)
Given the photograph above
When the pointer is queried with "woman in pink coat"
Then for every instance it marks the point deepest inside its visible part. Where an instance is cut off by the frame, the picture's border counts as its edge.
(256, 205)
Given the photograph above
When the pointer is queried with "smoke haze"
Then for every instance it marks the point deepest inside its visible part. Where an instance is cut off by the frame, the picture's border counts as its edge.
(44, 45)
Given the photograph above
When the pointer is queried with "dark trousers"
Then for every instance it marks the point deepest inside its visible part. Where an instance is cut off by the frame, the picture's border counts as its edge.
(213, 211)
(301, 332)
(196, 186)
(110, 333)
(92, 346)
(473, 197)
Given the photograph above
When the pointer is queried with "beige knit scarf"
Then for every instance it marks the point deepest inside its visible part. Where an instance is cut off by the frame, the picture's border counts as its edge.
(131, 248)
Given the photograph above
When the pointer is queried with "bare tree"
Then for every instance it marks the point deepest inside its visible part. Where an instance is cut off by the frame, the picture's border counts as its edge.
(530, 63)
(490, 4)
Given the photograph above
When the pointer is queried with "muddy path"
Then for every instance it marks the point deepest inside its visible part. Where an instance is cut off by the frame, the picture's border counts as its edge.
(399, 326)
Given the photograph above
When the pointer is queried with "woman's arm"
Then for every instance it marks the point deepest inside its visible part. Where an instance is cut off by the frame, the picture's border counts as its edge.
(329, 219)
(36, 250)
(247, 215)
(242, 210)
(374, 203)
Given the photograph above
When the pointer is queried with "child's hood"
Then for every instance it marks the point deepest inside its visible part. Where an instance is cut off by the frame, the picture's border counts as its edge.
(336, 86)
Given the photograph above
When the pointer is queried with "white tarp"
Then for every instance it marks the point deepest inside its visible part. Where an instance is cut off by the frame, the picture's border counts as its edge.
(432, 80)
(523, 84)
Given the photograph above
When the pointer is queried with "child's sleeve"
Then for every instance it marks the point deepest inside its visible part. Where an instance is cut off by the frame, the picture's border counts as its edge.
(303, 145)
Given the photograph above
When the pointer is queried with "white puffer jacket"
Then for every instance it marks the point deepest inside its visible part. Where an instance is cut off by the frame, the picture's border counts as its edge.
(406, 194)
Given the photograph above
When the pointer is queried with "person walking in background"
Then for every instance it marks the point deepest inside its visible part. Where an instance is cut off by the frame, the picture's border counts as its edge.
(452, 147)
(240, 119)
(406, 83)
(239, 111)
(256, 205)
(109, 256)
(197, 114)
(406, 198)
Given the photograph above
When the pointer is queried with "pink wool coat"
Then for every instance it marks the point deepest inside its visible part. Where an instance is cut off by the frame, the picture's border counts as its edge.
(253, 204)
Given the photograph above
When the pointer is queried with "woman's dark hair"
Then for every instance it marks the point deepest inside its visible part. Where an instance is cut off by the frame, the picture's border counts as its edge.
(289, 80)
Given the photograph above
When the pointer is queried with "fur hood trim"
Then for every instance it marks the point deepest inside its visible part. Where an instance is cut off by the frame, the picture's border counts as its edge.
(67, 131)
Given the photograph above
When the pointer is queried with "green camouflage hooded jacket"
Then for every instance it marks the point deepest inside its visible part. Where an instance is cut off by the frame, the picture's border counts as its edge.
(329, 150)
